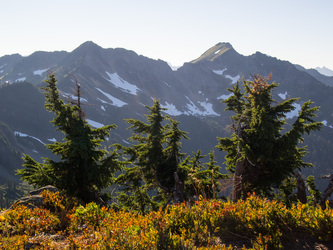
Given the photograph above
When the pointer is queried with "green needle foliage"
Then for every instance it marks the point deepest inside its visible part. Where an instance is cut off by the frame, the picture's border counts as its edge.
(258, 154)
(212, 177)
(84, 168)
(155, 156)
(202, 179)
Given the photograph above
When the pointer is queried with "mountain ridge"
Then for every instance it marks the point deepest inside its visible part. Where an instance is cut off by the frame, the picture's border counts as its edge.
(324, 71)
(117, 84)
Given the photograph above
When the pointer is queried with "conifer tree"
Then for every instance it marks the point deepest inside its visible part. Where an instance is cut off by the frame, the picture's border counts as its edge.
(152, 177)
(200, 179)
(84, 169)
(173, 176)
(259, 154)
(193, 168)
(212, 176)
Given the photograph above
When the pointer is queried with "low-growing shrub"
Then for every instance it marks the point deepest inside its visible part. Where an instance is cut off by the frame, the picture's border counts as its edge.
(254, 223)
(92, 215)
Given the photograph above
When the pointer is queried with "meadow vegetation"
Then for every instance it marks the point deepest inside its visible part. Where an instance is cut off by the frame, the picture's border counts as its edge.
(254, 223)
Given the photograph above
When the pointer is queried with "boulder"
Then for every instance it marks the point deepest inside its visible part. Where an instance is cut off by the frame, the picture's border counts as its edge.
(38, 191)
(34, 199)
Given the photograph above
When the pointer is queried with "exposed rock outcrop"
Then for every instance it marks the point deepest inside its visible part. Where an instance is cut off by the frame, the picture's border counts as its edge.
(35, 198)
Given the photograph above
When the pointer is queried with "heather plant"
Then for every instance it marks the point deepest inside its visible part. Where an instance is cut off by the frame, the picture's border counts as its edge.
(56, 202)
(254, 223)
(318, 221)
(22, 221)
(92, 215)
(60, 205)
(13, 242)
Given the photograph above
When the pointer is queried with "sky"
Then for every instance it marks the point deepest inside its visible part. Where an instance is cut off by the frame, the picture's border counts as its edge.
(176, 31)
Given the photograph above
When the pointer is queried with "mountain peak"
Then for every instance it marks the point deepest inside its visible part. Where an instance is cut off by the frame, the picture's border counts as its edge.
(88, 46)
(214, 52)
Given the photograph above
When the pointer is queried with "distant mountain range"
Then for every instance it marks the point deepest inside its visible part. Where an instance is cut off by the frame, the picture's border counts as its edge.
(324, 71)
(118, 83)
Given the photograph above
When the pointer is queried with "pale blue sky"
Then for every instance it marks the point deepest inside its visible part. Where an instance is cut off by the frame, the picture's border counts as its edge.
(176, 31)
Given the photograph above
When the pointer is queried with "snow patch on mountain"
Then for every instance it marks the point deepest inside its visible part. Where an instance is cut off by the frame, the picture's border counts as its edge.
(25, 135)
(73, 97)
(325, 124)
(40, 71)
(167, 84)
(219, 71)
(52, 139)
(283, 96)
(126, 142)
(102, 108)
(194, 110)
(94, 123)
(118, 82)
(209, 109)
(115, 101)
(22, 79)
(294, 112)
(102, 101)
(3, 66)
(225, 97)
(233, 79)
(171, 109)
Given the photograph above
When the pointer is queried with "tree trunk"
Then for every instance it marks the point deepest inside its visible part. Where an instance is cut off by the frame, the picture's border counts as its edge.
(179, 190)
(301, 191)
(327, 193)
(238, 185)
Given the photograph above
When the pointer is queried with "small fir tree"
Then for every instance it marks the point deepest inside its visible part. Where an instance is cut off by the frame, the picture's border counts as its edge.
(200, 179)
(84, 168)
(193, 182)
(213, 175)
(315, 194)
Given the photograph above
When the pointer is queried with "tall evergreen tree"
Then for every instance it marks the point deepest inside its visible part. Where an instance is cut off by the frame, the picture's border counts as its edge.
(173, 176)
(84, 168)
(259, 155)
(155, 157)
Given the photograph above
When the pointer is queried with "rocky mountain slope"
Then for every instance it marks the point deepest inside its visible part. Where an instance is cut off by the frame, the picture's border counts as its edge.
(118, 83)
